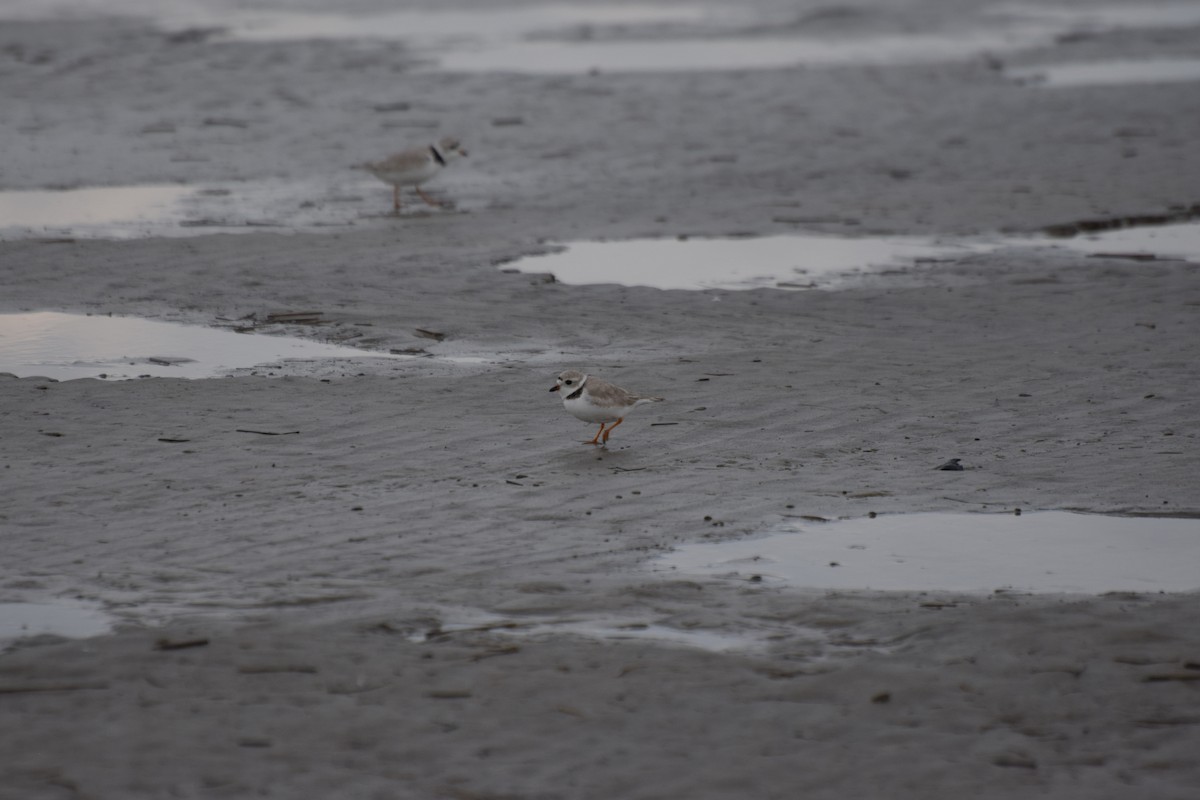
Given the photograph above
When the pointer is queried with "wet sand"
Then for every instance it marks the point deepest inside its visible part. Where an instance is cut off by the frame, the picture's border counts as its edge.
(347, 588)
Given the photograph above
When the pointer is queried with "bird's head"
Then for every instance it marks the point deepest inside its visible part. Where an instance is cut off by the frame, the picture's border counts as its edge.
(568, 382)
(451, 147)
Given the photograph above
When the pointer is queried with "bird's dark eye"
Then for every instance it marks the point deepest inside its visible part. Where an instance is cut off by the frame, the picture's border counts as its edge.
(568, 383)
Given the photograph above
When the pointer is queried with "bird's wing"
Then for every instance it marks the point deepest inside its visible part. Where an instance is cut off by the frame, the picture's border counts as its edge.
(408, 159)
(608, 395)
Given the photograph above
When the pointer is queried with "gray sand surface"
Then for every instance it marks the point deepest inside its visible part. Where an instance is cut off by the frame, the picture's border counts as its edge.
(366, 586)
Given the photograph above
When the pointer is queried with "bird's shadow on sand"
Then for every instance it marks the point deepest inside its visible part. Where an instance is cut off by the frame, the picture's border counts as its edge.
(583, 455)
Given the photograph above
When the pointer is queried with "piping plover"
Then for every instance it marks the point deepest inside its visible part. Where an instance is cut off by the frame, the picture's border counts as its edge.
(415, 166)
(593, 400)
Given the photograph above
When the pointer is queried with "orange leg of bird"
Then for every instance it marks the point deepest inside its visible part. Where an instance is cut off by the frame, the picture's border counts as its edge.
(427, 198)
(596, 438)
(610, 428)
(396, 199)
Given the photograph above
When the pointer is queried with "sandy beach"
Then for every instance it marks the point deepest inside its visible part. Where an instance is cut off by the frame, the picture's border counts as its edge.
(407, 578)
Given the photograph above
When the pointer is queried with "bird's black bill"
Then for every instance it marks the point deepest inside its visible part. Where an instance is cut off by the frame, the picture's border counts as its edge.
(554, 388)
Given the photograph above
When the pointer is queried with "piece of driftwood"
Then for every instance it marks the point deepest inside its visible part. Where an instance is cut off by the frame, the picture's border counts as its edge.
(179, 644)
(1160, 677)
(272, 669)
(52, 687)
(296, 317)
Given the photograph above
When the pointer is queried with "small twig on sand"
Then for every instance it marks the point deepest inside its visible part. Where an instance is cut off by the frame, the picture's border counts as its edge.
(183, 644)
(52, 687)
(1171, 676)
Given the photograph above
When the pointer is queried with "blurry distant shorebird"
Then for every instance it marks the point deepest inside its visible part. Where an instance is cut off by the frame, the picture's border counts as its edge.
(416, 166)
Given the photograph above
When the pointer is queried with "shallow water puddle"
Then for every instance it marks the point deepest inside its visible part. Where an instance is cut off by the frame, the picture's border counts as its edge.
(110, 212)
(787, 262)
(616, 630)
(443, 26)
(68, 346)
(815, 261)
(67, 618)
(577, 39)
(712, 641)
(1051, 551)
(580, 38)
(123, 212)
(1109, 73)
(561, 39)
(1178, 241)
(1101, 18)
(724, 53)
